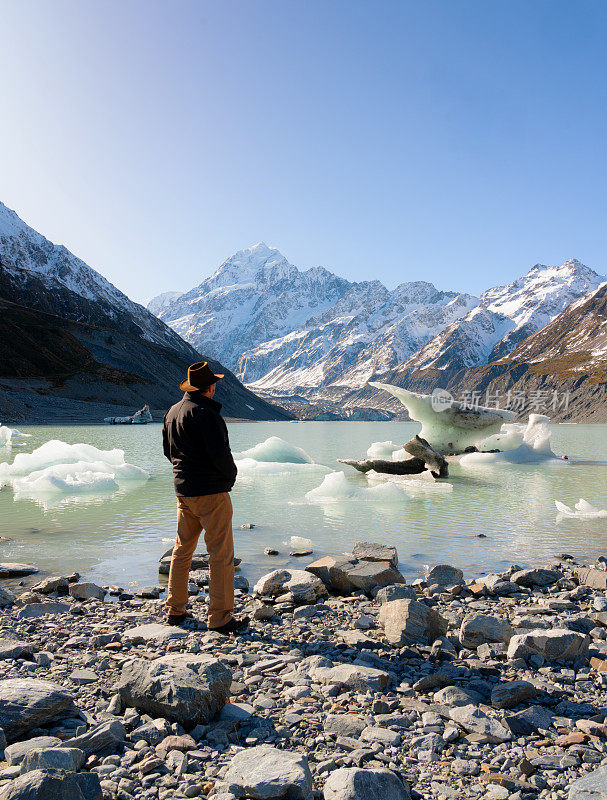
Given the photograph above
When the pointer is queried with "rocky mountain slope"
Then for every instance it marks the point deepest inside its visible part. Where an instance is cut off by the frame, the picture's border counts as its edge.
(561, 368)
(75, 348)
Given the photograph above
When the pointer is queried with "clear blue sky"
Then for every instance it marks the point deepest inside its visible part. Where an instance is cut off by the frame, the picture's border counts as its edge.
(458, 142)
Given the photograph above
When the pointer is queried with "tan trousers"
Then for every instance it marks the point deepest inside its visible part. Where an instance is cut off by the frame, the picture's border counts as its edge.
(213, 514)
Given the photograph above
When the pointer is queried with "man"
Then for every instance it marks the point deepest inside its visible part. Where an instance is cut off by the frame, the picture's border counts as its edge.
(195, 440)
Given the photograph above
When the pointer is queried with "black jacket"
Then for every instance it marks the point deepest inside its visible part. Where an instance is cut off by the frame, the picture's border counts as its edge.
(195, 440)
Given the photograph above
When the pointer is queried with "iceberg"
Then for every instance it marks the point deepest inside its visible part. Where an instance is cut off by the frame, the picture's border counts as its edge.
(533, 449)
(141, 417)
(450, 427)
(58, 468)
(8, 434)
(382, 450)
(582, 510)
(276, 450)
(336, 488)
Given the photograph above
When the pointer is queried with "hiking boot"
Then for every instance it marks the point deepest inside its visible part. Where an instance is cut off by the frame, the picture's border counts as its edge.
(182, 620)
(234, 626)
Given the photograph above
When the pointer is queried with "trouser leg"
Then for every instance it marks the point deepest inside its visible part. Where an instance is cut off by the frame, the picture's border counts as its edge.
(189, 528)
(217, 523)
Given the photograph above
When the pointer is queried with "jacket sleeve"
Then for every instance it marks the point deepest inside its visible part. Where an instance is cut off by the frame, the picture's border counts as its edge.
(218, 446)
(165, 439)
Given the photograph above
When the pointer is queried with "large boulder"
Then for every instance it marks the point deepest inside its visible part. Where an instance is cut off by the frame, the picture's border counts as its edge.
(511, 693)
(590, 787)
(474, 720)
(346, 574)
(185, 688)
(71, 759)
(352, 783)
(592, 577)
(445, 575)
(52, 584)
(104, 738)
(7, 598)
(302, 585)
(266, 773)
(351, 676)
(410, 622)
(87, 591)
(38, 610)
(395, 591)
(558, 644)
(27, 703)
(16, 648)
(371, 551)
(15, 753)
(53, 784)
(480, 629)
(538, 576)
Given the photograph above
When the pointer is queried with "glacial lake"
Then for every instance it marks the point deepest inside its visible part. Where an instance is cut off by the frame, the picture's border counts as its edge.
(119, 539)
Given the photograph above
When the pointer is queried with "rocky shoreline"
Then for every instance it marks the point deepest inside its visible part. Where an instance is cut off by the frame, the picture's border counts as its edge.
(349, 685)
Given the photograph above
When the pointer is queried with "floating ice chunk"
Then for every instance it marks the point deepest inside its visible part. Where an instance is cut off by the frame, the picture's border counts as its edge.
(57, 468)
(249, 467)
(448, 427)
(582, 510)
(275, 449)
(382, 450)
(535, 447)
(412, 484)
(299, 542)
(8, 434)
(336, 488)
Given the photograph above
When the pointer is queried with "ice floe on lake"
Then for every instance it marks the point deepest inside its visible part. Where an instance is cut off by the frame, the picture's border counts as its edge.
(383, 450)
(8, 435)
(336, 488)
(525, 444)
(299, 542)
(412, 484)
(275, 456)
(67, 470)
(582, 510)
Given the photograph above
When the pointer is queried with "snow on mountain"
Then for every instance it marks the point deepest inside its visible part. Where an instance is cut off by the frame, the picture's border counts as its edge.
(366, 333)
(26, 255)
(506, 316)
(157, 305)
(255, 296)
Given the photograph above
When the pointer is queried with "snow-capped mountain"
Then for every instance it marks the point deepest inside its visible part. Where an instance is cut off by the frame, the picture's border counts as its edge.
(28, 257)
(366, 333)
(254, 296)
(506, 316)
(291, 333)
(287, 331)
(157, 305)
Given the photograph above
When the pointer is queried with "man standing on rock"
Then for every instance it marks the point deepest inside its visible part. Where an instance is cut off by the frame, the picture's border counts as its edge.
(195, 440)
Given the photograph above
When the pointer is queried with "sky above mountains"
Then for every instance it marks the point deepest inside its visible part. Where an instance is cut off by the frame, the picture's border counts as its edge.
(457, 143)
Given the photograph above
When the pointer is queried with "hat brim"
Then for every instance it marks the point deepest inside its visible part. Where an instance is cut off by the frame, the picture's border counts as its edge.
(186, 386)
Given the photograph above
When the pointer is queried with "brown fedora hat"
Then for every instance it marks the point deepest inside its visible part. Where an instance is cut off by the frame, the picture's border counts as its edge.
(200, 377)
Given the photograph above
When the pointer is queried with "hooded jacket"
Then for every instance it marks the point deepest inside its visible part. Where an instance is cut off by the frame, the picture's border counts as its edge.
(195, 440)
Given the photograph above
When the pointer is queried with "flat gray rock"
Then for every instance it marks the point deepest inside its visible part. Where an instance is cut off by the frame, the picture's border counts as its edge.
(480, 629)
(7, 598)
(591, 787)
(154, 631)
(37, 610)
(511, 693)
(555, 644)
(53, 584)
(346, 724)
(352, 783)
(15, 753)
(266, 773)
(396, 591)
(104, 738)
(28, 703)
(473, 720)
(86, 591)
(8, 569)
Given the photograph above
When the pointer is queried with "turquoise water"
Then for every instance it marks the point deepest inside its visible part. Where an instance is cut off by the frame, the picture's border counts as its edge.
(119, 540)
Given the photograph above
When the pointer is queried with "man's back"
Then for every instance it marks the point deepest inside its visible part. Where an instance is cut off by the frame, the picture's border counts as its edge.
(195, 440)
